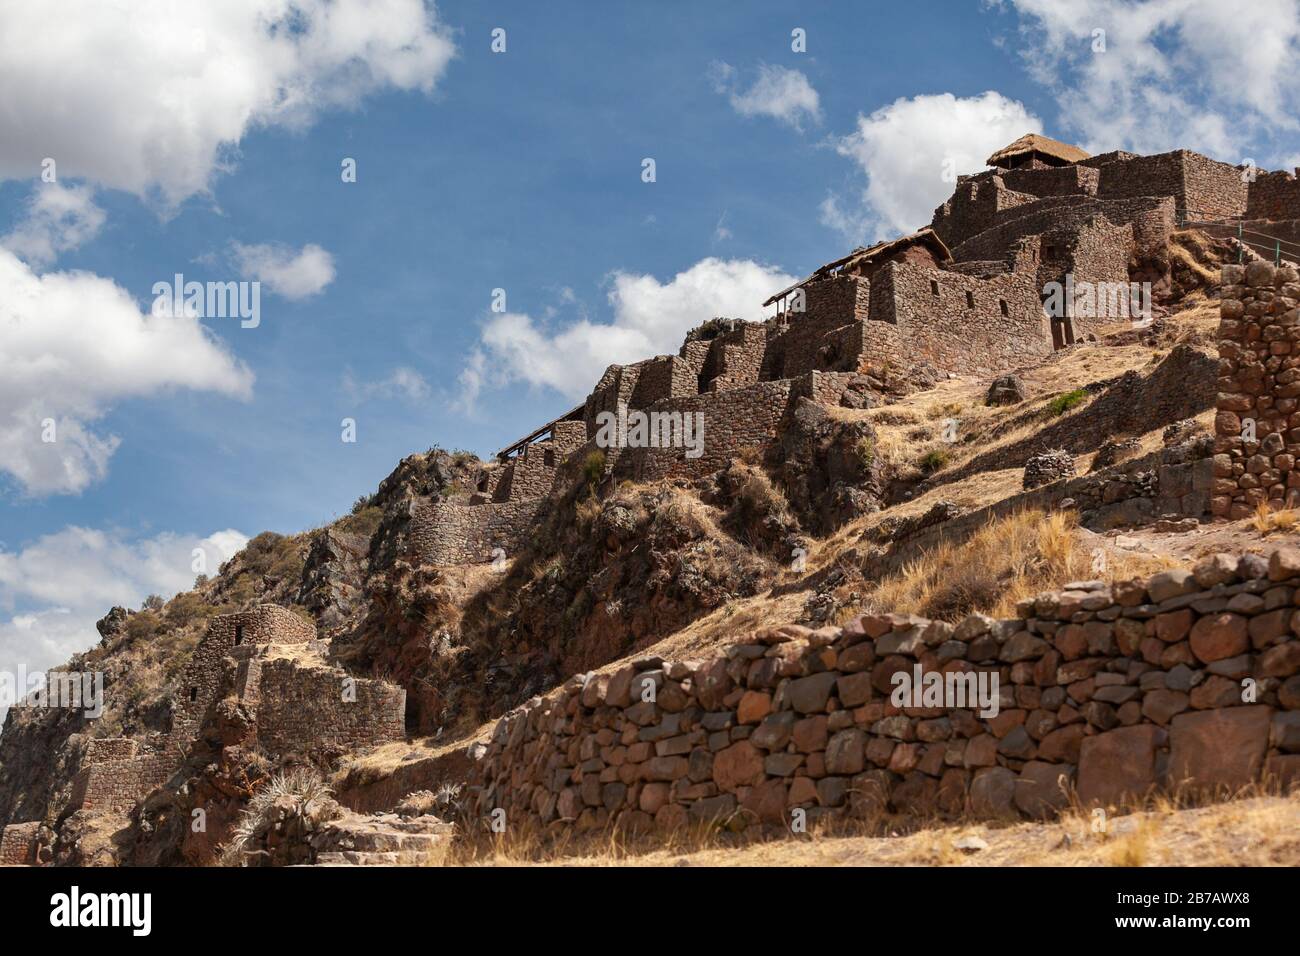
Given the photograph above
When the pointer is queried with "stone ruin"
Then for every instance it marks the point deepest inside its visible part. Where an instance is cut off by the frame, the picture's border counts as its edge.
(964, 295)
(269, 660)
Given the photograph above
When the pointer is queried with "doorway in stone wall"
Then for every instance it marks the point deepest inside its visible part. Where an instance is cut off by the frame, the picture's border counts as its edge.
(239, 634)
(1062, 332)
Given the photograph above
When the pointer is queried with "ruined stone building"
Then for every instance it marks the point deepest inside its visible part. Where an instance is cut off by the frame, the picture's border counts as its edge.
(966, 295)
(269, 660)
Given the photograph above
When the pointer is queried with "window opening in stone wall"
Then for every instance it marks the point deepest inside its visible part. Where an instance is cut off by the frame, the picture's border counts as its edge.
(970, 300)
(194, 694)
(548, 458)
(1002, 304)
(934, 287)
(239, 633)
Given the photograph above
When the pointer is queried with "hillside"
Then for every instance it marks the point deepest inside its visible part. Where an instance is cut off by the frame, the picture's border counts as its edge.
(908, 464)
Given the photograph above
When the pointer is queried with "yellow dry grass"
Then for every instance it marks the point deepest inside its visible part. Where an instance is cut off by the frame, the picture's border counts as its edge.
(1007, 560)
(1253, 831)
(1266, 520)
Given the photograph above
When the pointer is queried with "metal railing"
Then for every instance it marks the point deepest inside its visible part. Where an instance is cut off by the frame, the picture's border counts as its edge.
(1264, 244)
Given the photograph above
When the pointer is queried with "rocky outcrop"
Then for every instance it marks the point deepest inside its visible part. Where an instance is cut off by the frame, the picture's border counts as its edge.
(828, 468)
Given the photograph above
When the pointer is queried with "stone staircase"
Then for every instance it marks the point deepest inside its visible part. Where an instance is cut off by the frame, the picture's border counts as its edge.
(383, 840)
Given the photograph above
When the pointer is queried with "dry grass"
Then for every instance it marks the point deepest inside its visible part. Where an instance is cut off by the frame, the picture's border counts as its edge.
(1266, 521)
(1007, 560)
(1252, 831)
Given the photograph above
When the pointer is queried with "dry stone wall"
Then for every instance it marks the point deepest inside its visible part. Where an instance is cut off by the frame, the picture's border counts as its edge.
(960, 323)
(444, 532)
(1152, 220)
(201, 684)
(302, 708)
(18, 844)
(1257, 429)
(1190, 679)
(1273, 195)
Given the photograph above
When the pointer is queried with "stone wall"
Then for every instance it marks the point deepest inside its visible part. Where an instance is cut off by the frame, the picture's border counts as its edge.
(974, 207)
(18, 844)
(830, 304)
(1201, 187)
(1153, 219)
(118, 785)
(201, 684)
(1273, 195)
(734, 420)
(1259, 387)
(961, 323)
(305, 708)
(1188, 679)
(444, 532)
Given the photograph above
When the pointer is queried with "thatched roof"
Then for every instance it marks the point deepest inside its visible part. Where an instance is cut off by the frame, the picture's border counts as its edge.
(1033, 143)
(862, 255)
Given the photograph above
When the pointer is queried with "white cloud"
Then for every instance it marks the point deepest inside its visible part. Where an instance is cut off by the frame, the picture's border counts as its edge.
(154, 96)
(72, 344)
(650, 318)
(293, 275)
(1200, 74)
(402, 381)
(64, 582)
(58, 219)
(909, 151)
(778, 92)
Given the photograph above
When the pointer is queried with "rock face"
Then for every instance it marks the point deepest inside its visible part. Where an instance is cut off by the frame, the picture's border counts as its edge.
(1100, 688)
(1046, 467)
(1005, 390)
(111, 624)
(829, 470)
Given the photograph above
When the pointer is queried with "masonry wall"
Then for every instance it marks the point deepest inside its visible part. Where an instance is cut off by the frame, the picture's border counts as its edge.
(118, 785)
(1153, 219)
(830, 304)
(1259, 384)
(1201, 187)
(1109, 691)
(301, 709)
(201, 684)
(18, 844)
(735, 358)
(1273, 195)
(975, 206)
(735, 420)
(443, 532)
(957, 333)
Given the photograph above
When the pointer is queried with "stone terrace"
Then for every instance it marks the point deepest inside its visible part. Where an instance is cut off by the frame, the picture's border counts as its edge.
(1189, 680)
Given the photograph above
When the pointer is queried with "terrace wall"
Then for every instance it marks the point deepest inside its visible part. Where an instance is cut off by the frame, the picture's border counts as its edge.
(1111, 692)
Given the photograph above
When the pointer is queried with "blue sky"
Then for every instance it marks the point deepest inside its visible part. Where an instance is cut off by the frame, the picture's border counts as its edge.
(210, 145)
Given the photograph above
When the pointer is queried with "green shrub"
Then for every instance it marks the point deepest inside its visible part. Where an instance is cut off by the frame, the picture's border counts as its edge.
(593, 467)
(1066, 400)
(933, 460)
